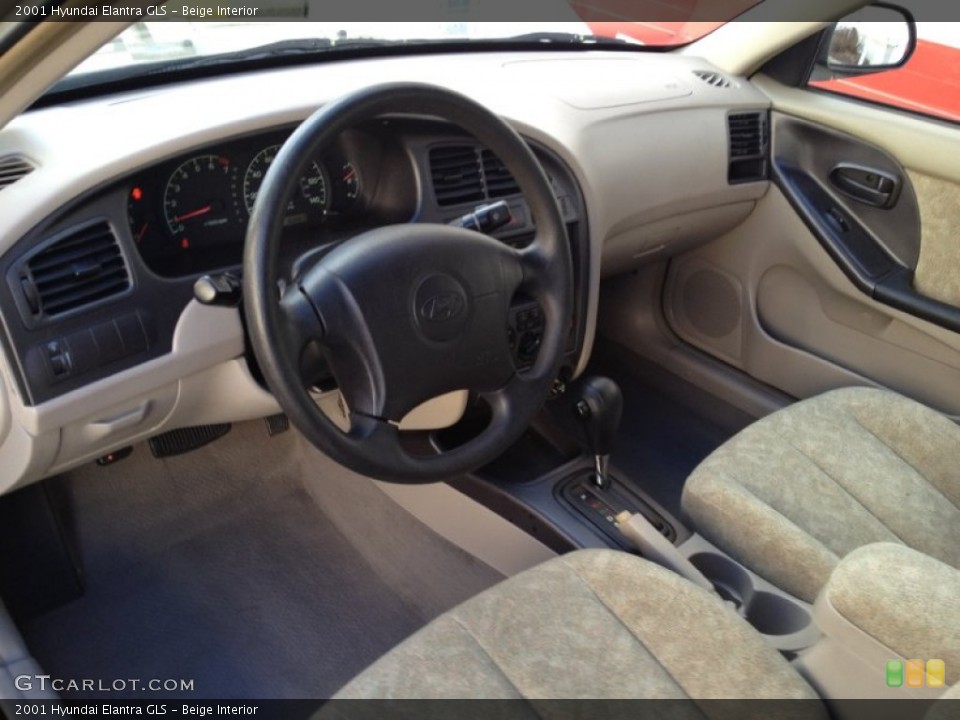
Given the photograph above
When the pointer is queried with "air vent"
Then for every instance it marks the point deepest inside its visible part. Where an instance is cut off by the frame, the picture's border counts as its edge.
(469, 173)
(455, 171)
(748, 146)
(714, 78)
(80, 268)
(746, 134)
(12, 168)
(496, 178)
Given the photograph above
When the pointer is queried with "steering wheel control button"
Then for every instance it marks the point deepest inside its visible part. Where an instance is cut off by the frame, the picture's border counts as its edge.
(525, 333)
(441, 308)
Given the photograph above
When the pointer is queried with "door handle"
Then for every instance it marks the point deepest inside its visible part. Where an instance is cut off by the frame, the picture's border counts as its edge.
(867, 185)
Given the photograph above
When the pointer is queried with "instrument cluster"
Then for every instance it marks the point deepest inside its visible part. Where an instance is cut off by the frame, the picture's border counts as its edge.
(190, 215)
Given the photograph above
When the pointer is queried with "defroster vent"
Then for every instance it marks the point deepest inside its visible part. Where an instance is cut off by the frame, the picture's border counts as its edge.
(714, 78)
(78, 269)
(12, 168)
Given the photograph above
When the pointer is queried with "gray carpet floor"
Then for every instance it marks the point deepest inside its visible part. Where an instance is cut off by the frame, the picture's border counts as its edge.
(255, 567)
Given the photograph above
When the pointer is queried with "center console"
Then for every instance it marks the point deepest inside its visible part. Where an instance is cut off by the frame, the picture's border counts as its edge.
(559, 487)
(890, 618)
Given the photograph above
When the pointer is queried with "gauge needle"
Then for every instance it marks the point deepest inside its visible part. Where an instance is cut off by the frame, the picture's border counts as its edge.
(349, 174)
(196, 213)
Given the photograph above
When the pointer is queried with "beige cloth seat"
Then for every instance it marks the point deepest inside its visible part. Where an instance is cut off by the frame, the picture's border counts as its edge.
(590, 624)
(798, 490)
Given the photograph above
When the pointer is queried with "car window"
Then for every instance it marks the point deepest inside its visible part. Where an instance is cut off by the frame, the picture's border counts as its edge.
(929, 83)
(180, 38)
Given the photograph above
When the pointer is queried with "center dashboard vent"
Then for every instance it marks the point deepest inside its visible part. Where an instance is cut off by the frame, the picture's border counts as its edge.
(469, 173)
(12, 168)
(81, 267)
(456, 174)
(748, 145)
(714, 78)
(497, 179)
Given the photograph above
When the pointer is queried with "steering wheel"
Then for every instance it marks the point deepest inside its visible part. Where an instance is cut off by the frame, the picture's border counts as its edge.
(405, 313)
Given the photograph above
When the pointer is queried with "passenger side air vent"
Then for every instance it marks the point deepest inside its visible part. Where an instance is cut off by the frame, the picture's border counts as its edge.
(748, 147)
(78, 269)
(497, 179)
(456, 174)
(12, 168)
(714, 78)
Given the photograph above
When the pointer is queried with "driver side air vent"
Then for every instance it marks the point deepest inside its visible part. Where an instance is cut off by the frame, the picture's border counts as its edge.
(714, 78)
(748, 147)
(12, 168)
(81, 267)
(455, 171)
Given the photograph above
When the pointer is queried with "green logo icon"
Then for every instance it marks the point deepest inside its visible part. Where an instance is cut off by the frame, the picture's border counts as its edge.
(894, 673)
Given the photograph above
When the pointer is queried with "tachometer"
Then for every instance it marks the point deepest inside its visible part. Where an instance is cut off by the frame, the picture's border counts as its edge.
(309, 202)
(199, 201)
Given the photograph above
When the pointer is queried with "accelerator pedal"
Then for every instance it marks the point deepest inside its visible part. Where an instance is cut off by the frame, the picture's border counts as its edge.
(277, 424)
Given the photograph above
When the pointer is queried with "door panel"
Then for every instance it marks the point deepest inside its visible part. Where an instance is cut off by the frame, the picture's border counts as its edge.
(857, 179)
(801, 324)
(938, 270)
(831, 290)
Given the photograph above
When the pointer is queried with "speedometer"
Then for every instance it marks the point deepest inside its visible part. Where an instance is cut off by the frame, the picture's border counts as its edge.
(309, 201)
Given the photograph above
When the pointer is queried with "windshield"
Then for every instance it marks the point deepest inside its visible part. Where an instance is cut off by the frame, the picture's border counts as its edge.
(234, 31)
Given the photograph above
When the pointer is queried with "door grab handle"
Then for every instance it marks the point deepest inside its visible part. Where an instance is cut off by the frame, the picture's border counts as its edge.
(865, 184)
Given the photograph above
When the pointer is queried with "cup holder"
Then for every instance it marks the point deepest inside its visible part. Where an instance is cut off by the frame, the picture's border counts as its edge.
(768, 612)
(775, 615)
(730, 579)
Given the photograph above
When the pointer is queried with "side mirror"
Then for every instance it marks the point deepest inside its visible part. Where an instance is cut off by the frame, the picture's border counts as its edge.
(876, 38)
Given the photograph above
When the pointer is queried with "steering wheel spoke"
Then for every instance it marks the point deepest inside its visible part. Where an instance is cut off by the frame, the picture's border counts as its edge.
(302, 324)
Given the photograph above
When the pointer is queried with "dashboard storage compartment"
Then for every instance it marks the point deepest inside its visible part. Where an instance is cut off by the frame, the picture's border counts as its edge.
(115, 426)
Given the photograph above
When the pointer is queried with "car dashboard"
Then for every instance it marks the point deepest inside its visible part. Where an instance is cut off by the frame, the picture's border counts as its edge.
(102, 242)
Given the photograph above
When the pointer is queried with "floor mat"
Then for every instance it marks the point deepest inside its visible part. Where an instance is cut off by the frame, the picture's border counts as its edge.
(221, 567)
(668, 425)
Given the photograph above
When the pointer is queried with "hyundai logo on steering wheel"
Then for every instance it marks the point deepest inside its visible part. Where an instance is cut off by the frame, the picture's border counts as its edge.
(442, 307)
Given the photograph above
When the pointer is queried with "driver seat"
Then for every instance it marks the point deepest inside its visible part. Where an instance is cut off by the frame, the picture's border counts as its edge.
(589, 624)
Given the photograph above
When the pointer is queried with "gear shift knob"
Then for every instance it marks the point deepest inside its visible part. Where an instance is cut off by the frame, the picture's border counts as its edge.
(599, 407)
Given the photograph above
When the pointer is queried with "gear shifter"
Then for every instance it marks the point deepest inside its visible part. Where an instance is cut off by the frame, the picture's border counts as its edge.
(599, 408)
